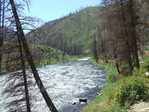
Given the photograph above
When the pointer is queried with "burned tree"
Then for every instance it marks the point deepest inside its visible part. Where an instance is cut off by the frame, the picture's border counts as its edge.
(122, 21)
(22, 38)
(94, 49)
(17, 83)
(103, 48)
(2, 29)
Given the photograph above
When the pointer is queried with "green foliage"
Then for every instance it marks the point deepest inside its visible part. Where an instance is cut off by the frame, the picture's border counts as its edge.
(42, 55)
(132, 88)
(119, 93)
(45, 55)
(104, 103)
(77, 29)
(145, 64)
(111, 72)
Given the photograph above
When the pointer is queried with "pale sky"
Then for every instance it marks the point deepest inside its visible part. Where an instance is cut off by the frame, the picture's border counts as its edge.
(48, 10)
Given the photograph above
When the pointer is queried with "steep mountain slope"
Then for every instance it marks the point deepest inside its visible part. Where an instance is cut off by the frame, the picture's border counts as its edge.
(71, 33)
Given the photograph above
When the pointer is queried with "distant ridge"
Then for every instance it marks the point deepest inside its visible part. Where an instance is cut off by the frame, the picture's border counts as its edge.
(73, 32)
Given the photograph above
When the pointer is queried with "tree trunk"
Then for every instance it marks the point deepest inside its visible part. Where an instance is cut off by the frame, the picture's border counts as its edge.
(24, 77)
(2, 11)
(30, 59)
(1, 35)
(127, 42)
(117, 66)
(135, 49)
(95, 50)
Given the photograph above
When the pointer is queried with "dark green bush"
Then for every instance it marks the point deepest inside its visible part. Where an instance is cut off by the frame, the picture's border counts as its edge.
(131, 89)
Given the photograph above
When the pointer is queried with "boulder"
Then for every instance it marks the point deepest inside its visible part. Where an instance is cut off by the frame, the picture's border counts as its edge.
(74, 103)
(82, 100)
(99, 94)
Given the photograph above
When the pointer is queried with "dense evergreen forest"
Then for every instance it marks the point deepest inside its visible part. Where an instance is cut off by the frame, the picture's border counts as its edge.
(115, 33)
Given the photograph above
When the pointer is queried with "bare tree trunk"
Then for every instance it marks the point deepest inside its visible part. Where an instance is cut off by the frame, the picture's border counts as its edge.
(24, 77)
(133, 34)
(2, 11)
(117, 67)
(1, 37)
(95, 52)
(30, 59)
(127, 43)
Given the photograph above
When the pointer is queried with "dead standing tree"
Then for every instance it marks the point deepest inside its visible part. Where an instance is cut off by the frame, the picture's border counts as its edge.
(2, 29)
(94, 49)
(15, 82)
(122, 20)
(24, 76)
(22, 38)
(113, 26)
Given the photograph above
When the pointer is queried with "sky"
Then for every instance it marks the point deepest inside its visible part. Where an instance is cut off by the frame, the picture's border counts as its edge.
(48, 10)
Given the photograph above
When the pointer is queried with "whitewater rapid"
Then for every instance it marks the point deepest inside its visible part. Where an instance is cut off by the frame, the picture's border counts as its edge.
(66, 83)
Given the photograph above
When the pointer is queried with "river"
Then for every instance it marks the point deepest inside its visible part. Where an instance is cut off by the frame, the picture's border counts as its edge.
(66, 83)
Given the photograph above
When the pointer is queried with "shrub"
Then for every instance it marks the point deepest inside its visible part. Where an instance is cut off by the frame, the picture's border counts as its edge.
(145, 65)
(120, 92)
(131, 89)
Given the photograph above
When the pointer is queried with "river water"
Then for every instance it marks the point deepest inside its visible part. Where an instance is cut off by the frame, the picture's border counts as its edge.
(66, 83)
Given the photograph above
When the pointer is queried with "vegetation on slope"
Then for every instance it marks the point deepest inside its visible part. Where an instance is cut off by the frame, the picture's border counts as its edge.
(75, 31)
(72, 34)
(42, 55)
(124, 20)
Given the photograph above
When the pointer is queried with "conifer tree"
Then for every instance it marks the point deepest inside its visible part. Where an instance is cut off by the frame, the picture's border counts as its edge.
(122, 21)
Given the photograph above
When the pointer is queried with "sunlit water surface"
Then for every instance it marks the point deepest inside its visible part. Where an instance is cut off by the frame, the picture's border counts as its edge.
(66, 83)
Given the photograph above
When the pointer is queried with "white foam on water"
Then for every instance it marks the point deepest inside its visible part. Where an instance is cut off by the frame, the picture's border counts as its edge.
(83, 59)
(65, 83)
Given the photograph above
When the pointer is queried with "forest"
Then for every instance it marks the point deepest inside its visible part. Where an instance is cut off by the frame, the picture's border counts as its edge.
(115, 34)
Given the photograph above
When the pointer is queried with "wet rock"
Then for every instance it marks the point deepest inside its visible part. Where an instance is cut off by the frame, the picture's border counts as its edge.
(82, 100)
(74, 103)
(99, 94)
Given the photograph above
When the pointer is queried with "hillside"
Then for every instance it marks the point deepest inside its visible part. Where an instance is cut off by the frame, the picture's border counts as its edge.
(71, 33)
(42, 55)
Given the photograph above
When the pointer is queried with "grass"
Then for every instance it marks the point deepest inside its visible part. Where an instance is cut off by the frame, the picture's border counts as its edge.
(119, 93)
(95, 105)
